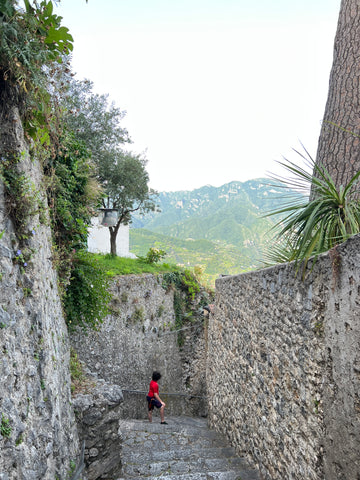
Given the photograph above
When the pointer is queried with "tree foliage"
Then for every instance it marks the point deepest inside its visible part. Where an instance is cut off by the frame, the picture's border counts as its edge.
(72, 195)
(95, 121)
(126, 188)
(122, 174)
(125, 183)
(33, 43)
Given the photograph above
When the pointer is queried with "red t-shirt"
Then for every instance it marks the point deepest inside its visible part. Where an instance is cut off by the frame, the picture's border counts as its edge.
(154, 388)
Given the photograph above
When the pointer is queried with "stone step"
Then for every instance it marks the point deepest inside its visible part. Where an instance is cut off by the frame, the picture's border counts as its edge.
(167, 441)
(183, 466)
(185, 449)
(178, 454)
(183, 434)
(231, 475)
(197, 428)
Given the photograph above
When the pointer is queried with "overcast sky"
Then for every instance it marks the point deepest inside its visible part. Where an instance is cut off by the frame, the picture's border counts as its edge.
(215, 90)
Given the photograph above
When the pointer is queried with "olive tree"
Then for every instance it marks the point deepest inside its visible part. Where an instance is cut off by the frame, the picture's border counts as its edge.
(125, 182)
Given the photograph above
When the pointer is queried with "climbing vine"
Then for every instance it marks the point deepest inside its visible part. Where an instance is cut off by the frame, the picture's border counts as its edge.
(86, 301)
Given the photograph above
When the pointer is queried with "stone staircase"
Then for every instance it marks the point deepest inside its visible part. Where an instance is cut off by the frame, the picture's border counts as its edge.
(185, 449)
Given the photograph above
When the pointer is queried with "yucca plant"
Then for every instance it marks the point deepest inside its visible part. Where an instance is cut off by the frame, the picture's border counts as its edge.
(310, 226)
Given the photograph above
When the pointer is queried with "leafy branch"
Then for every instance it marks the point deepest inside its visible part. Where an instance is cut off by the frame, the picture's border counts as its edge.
(33, 41)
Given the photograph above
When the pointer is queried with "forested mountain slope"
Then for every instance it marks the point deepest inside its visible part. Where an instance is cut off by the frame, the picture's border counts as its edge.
(221, 228)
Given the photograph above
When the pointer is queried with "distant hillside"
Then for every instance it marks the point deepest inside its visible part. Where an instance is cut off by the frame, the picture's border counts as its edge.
(215, 257)
(221, 228)
(258, 194)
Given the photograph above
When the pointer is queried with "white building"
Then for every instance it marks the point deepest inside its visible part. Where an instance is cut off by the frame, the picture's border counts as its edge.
(99, 239)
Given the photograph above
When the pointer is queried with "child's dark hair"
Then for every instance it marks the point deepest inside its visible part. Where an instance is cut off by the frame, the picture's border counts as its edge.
(156, 376)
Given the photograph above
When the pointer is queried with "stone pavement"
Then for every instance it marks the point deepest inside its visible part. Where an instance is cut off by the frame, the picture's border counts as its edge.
(185, 449)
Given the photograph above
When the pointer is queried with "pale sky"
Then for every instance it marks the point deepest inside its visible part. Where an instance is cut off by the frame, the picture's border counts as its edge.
(215, 90)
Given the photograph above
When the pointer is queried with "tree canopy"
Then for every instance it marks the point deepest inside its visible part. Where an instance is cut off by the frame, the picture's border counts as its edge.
(121, 174)
(95, 121)
(126, 190)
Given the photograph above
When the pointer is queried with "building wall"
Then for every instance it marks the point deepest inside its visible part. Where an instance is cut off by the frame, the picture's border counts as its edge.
(283, 367)
(99, 239)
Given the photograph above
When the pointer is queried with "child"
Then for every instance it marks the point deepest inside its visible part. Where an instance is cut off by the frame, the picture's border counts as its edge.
(154, 400)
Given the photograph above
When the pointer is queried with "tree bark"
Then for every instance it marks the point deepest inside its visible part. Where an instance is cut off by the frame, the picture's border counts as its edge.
(113, 234)
(339, 142)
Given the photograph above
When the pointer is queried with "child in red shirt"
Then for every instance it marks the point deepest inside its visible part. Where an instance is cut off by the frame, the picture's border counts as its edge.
(153, 398)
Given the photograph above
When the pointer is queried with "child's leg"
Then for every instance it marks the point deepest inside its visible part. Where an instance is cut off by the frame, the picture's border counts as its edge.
(162, 413)
(150, 415)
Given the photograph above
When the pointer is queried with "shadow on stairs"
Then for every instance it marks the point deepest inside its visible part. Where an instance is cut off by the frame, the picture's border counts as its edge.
(185, 449)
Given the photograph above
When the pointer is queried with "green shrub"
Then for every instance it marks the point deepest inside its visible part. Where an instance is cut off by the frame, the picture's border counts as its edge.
(191, 283)
(154, 255)
(32, 38)
(183, 280)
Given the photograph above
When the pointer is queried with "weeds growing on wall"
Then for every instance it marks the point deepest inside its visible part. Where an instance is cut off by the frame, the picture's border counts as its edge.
(186, 306)
(80, 383)
(5, 428)
(23, 200)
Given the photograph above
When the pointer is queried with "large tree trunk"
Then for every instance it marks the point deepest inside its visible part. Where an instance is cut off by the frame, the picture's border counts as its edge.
(339, 142)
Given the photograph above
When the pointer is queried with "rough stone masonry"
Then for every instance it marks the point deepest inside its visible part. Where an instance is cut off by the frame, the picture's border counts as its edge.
(139, 336)
(38, 436)
(283, 370)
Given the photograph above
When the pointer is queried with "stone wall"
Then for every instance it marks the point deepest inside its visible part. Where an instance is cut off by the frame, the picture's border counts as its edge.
(283, 367)
(34, 369)
(97, 415)
(138, 338)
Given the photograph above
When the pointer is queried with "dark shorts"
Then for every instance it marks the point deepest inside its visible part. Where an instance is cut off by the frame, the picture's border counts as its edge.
(152, 402)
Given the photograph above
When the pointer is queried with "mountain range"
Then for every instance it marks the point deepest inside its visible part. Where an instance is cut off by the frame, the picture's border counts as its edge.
(222, 230)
